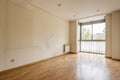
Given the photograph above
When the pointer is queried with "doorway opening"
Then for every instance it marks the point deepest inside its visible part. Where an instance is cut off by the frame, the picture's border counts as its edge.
(92, 37)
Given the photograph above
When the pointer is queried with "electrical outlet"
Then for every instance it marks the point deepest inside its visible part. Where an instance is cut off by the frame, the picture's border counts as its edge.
(12, 60)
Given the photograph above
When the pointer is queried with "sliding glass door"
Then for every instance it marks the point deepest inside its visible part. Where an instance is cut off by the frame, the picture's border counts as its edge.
(92, 37)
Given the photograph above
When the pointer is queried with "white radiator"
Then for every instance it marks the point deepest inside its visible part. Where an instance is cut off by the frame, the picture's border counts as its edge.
(66, 48)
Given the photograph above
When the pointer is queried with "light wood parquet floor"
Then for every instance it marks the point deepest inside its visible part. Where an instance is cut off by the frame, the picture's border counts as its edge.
(82, 66)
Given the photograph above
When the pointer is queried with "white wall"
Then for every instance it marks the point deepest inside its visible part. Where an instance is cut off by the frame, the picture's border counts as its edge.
(32, 34)
(116, 35)
(113, 35)
(2, 25)
(73, 36)
(108, 21)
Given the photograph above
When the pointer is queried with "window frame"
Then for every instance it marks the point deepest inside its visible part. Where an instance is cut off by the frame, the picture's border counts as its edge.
(91, 23)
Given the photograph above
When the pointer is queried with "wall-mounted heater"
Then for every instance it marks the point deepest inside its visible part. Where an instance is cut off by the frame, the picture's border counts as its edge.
(66, 48)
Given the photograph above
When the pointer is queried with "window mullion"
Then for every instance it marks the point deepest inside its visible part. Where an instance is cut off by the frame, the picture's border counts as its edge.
(92, 31)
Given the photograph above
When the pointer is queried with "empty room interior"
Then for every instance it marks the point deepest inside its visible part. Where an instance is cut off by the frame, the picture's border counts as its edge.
(59, 39)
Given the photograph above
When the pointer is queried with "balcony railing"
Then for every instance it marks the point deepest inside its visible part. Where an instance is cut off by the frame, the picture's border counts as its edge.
(92, 46)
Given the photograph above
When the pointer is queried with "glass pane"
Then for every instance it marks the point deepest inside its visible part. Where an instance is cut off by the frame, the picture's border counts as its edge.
(78, 45)
(93, 46)
(86, 32)
(78, 32)
(99, 31)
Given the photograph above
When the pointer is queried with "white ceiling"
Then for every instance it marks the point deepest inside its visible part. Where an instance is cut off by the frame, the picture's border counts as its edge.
(75, 9)
(93, 18)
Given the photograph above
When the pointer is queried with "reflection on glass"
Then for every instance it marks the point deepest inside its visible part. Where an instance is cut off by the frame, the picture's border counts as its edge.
(86, 32)
(99, 31)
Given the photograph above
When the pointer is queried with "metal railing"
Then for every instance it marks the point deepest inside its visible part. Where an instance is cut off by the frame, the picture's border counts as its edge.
(92, 46)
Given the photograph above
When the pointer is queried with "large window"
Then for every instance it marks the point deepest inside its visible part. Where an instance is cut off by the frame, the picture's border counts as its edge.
(92, 37)
(93, 31)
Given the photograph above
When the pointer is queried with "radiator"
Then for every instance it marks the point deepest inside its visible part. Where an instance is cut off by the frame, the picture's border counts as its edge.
(66, 48)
